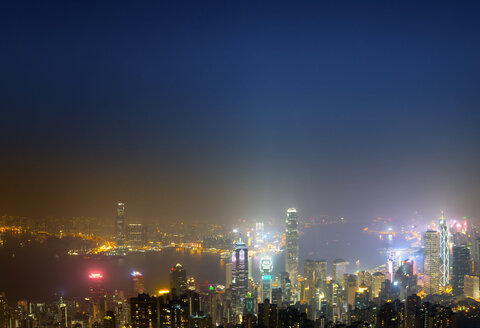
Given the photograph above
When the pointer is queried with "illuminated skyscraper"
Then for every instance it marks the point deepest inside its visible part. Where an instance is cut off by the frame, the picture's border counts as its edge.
(138, 285)
(178, 279)
(266, 268)
(239, 275)
(314, 272)
(291, 239)
(339, 268)
(444, 253)
(144, 312)
(259, 228)
(96, 286)
(431, 263)
(377, 280)
(97, 295)
(471, 286)
(120, 225)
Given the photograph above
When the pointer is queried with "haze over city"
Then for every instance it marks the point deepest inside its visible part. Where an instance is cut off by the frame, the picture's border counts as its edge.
(248, 164)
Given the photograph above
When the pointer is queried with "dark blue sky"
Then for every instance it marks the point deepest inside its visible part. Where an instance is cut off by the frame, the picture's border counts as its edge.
(221, 110)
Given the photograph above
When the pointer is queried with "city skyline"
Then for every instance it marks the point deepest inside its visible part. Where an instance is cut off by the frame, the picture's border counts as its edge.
(252, 164)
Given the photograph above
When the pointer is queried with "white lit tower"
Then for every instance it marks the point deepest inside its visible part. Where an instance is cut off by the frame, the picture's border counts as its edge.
(266, 268)
(291, 240)
(239, 275)
(259, 230)
(444, 253)
(120, 225)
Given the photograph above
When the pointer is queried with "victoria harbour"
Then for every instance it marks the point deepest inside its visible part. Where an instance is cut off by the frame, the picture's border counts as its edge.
(240, 164)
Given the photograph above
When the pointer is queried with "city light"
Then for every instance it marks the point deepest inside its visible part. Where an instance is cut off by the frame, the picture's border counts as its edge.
(163, 291)
(95, 275)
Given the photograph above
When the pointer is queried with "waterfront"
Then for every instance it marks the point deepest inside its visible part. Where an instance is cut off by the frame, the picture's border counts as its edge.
(33, 270)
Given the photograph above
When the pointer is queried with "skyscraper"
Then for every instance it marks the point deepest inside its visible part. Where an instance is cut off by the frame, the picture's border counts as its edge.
(461, 267)
(471, 286)
(266, 268)
(339, 268)
(377, 280)
(120, 225)
(178, 279)
(228, 274)
(97, 295)
(96, 286)
(291, 239)
(138, 285)
(444, 253)
(476, 256)
(239, 275)
(144, 311)
(310, 274)
(431, 262)
(259, 228)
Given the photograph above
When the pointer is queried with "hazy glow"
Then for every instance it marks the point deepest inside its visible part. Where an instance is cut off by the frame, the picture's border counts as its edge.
(95, 275)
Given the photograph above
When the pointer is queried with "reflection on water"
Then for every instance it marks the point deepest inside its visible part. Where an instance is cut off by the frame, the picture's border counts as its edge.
(37, 272)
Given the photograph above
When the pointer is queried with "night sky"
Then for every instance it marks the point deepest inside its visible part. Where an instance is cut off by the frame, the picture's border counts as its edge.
(215, 111)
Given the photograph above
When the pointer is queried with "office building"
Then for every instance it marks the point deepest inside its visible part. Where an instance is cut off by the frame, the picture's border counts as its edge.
(239, 275)
(476, 256)
(228, 273)
(291, 248)
(178, 279)
(339, 269)
(259, 233)
(120, 225)
(266, 268)
(461, 266)
(97, 295)
(138, 284)
(444, 253)
(378, 279)
(431, 262)
(471, 286)
(96, 285)
(144, 312)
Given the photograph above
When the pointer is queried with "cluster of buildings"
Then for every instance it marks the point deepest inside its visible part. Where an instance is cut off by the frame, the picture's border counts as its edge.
(438, 289)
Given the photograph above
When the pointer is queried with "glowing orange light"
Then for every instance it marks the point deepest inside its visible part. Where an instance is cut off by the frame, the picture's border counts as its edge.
(163, 291)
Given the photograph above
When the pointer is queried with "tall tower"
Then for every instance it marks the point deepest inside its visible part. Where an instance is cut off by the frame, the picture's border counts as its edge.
(97, 295)
(461, 266)
(444, 253)
(138, 284)
(266, 268)
(239, 275)
(120, 225)
(228, 273)
(178, 279)
(431, 262)
(339, 268)
(291, 239)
